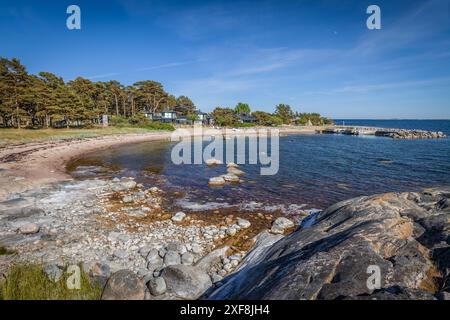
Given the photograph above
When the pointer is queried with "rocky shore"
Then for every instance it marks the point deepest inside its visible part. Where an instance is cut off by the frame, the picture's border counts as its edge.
(125, 239)
(406, 236)
(410, 134)
(133, 248)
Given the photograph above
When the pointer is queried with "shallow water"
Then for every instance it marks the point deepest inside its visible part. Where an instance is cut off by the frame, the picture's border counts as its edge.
(315, 170)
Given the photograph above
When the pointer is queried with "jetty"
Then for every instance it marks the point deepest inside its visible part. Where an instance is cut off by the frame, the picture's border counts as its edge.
(383, 132)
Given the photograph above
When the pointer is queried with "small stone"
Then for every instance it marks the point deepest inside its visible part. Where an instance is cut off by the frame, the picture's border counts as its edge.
(216, 278)
(172, 258)
(29, 228)
(196, 248)
(231, 178)
(235, 171)
(232, 165)
(216, 181)
(153, 256)
(231, 231)
(157, 286)
(143, 252)
(121, 254)
(187, 258)
(213, 162)
(228, 267)
(222, 273)
(178, 217)
(244, 224)
(162, 252)
(280, 225)
(53, 272)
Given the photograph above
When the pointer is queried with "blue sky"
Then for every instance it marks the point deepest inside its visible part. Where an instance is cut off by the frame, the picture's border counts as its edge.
(314, 55)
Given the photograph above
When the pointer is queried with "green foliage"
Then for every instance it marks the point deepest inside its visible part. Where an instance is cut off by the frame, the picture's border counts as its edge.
(242, 108)
(4, 251)
(284, 111)
(314, 119)
(156, 125)
(140, 121)
(29, 282)
(267, 119)
(43, 100)
(224, 117)
(245, 124)
(192, 116)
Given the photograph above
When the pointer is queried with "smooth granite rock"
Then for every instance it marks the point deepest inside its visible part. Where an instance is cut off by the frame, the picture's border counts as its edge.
(334, 258)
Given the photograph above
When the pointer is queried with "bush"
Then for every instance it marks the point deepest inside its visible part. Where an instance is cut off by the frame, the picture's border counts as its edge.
(156, 125)
(29, 282)
(118, 121)
(245, 124)
(4, 251)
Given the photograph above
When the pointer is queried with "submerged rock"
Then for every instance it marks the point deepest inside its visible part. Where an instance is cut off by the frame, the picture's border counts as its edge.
(335, 257)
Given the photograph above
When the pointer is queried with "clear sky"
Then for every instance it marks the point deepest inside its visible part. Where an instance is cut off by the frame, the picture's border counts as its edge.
(314, 55)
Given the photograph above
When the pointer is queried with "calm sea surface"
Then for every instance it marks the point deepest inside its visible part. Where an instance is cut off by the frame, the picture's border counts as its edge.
(315, 170)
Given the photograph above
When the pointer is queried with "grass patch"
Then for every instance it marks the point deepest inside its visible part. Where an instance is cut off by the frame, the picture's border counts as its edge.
(4, 251)
(12, 136)
(29, 282)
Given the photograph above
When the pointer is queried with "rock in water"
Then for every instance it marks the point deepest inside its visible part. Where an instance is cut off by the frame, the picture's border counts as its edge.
(29, 228)
(213, 162)
(186, 282)
(124, 285)
(216, 181)
(235, 171)
(231, 178)
(333, 258)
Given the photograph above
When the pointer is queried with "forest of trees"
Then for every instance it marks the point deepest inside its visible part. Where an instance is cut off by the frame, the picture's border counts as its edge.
(46, 100)
(283, 114)
(41, 101)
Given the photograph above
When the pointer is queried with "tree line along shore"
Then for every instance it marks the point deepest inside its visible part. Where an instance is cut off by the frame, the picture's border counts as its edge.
(45, 100)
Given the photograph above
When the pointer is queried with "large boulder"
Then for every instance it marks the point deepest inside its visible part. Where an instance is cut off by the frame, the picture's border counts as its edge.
(124, 285)
(186, 282)
(404, 236)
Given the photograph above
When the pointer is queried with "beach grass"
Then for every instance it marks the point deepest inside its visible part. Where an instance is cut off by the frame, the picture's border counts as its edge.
(30, 282)
(4, 251)
(15, 136)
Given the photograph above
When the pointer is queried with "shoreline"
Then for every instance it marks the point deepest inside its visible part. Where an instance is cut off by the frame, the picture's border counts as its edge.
(29, 165)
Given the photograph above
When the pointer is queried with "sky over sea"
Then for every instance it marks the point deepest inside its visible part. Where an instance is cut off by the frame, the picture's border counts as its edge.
(313, 55)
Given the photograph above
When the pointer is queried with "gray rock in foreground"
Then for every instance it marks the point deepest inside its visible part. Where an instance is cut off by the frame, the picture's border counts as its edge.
(406, 236)
(186, 282)
(124, 285)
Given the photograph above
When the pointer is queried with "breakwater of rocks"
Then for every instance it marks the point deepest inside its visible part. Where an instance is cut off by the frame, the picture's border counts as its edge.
(383, 132)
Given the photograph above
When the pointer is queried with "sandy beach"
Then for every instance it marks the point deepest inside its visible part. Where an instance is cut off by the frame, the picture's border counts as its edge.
(24, 166)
